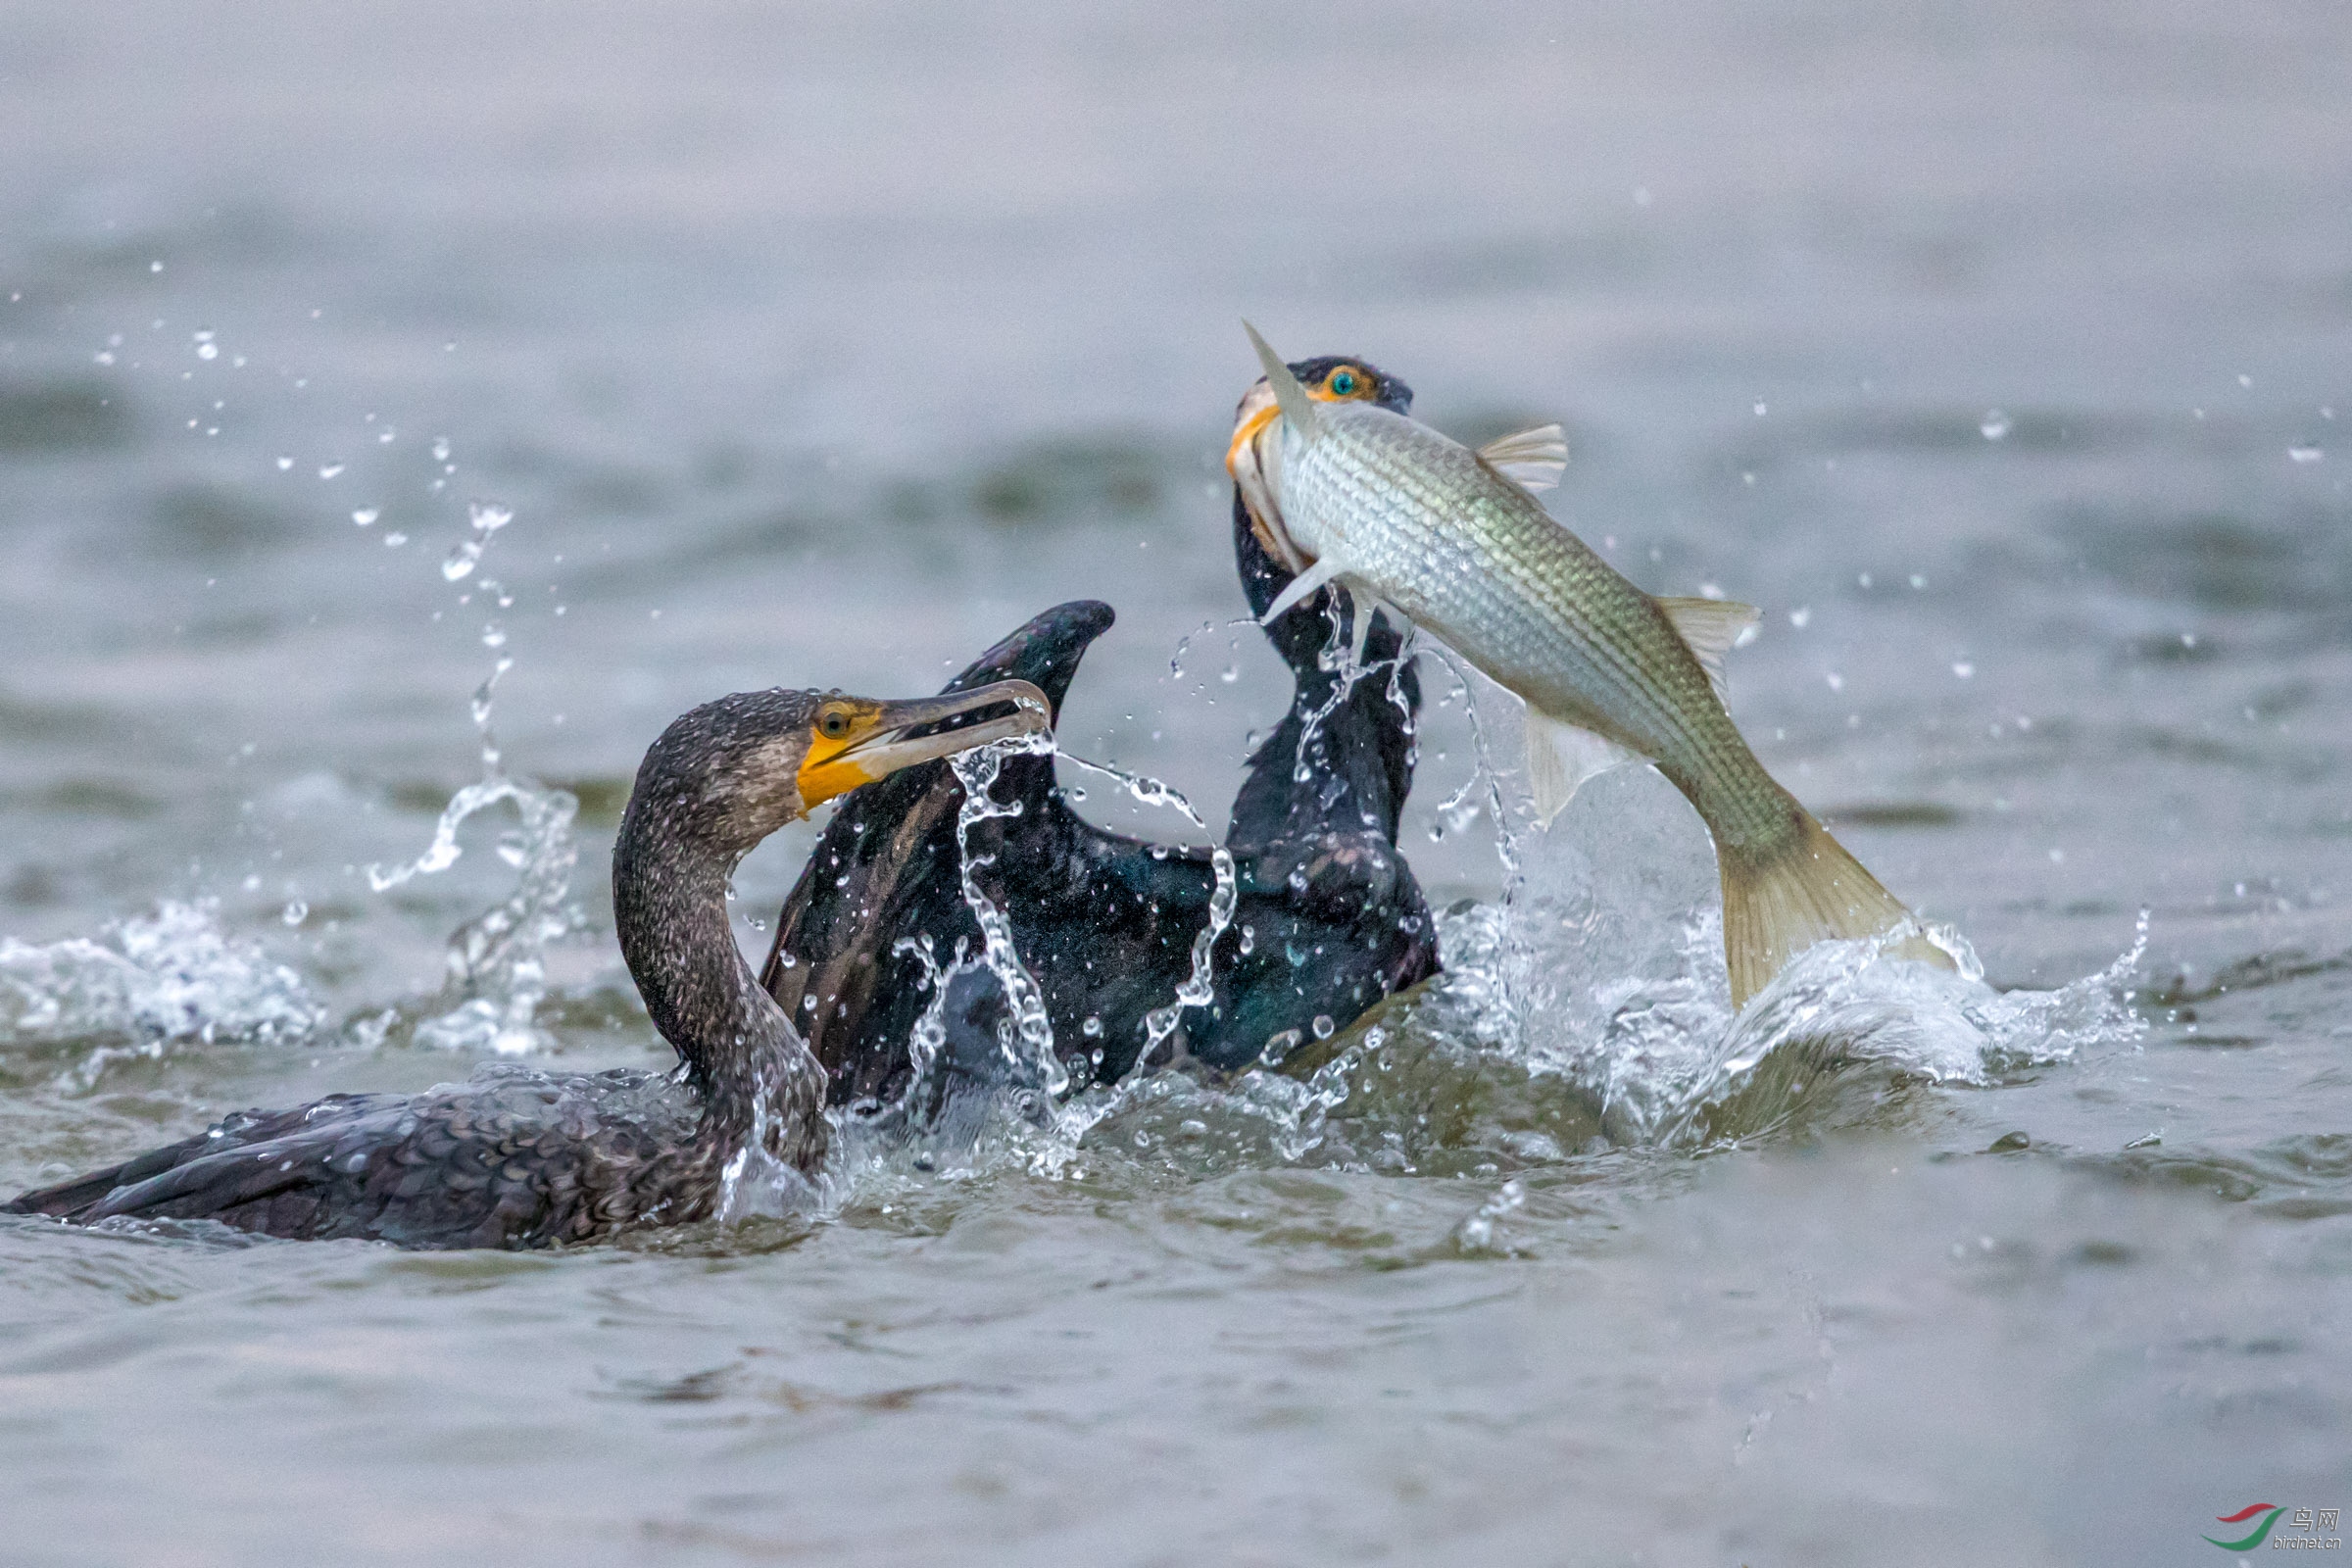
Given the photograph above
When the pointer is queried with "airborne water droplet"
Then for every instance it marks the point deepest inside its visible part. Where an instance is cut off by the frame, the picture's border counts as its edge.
(1995, 424)
(295, 912)
(365, 517)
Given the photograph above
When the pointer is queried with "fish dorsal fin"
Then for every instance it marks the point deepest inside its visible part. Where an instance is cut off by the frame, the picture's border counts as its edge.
(1709, 627)
(1302, 588)
(1560, 757)
(1532, 460)
(1296, 406)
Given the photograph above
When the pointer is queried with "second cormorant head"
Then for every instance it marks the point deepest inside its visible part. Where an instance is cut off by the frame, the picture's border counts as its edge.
(1328, 378)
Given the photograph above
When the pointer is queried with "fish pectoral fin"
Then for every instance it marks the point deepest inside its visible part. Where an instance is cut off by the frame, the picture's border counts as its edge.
(1532, 460)
(1296, 406)
(1560, 757)
(1709, 628)
(1302, 588)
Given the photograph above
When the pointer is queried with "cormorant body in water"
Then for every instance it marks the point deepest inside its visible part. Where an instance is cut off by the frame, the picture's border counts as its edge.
(520, 1158)
(1328, 918)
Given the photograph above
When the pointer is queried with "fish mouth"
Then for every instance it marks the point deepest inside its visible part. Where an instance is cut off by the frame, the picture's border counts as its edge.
(873, 743)
(1254, 460)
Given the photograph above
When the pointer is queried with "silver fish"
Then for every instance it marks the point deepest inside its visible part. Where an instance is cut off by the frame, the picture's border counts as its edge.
(1342, 489)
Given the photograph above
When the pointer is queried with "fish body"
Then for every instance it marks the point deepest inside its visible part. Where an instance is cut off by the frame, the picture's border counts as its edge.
(1455, 540)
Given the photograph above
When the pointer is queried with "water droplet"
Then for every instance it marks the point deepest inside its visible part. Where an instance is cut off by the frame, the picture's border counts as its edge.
(395, 539)
(1092, 1028)
(1801, 617)
(295, 912)
(2305, 454)
(494, 635)
(1229, 674)
(461, 563)
(440, 448)
(387, 436)
(328, 470)
(283, 464)
(1248, 939)
(490, 515)
(1835, 680)
(1760, 407)
(365, 517)
(1995, 425)
(1963, 668)
(1323, 1026)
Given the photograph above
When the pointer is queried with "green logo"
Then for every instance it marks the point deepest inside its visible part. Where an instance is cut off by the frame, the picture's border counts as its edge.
(2270, 1517)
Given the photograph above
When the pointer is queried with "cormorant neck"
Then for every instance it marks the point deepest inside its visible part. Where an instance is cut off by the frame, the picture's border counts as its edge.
(669, 911)
(1358, 755)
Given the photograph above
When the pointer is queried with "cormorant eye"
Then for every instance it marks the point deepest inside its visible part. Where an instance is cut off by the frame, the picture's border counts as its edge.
(833, 724)
(1344, 383)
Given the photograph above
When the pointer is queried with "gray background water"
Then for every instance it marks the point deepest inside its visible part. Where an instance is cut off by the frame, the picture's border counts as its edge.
(823, 346)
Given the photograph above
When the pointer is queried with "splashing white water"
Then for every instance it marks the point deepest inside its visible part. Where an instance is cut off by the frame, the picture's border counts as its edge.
(497, 960)
(1031, 1036)
(1198, 987)
(153, 980)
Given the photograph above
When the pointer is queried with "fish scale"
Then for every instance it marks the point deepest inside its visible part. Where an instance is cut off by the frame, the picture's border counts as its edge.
(1397, 510)
(1562, 627)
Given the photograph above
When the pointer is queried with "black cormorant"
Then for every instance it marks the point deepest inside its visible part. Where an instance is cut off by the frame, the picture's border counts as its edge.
(1328, 921)
(521, 1159)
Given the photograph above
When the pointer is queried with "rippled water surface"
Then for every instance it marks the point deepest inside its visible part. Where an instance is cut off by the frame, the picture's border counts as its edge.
(382, 388)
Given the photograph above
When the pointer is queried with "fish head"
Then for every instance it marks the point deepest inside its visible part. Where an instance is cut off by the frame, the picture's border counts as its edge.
(1254, 456)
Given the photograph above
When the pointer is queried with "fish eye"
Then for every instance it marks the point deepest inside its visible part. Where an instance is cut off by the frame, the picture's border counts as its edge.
(833, 724)
(1344, 383)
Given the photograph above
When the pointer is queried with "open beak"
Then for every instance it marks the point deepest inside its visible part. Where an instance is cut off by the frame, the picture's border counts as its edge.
(874, 743)
(1254, 460)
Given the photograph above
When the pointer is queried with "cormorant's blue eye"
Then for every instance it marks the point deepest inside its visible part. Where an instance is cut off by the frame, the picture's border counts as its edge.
(1342, 383)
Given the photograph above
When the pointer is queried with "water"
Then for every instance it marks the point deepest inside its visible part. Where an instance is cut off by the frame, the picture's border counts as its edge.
(815, 347)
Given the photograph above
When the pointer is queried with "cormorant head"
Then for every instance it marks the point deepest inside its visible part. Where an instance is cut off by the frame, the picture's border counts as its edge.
(1327, 378)
(734, 770)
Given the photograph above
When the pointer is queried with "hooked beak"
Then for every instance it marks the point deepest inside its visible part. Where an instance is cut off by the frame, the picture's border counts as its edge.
(875, 744)
(1255, 458)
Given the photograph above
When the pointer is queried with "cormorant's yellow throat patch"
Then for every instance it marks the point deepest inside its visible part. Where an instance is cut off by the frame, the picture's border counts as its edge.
(838, 726)
(856, 740)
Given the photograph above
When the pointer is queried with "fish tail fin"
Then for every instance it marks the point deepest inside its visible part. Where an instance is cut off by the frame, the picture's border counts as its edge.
(1296, 406)
(1805, 890)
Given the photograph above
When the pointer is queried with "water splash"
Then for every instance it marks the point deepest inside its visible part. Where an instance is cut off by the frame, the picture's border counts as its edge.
(152, 980)
(497, 960)
(1198, 987)
(487, 518)
(1030, 1035)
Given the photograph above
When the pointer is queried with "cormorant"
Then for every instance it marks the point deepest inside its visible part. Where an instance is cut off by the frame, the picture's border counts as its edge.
(1328, 919)
(521, 1159)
